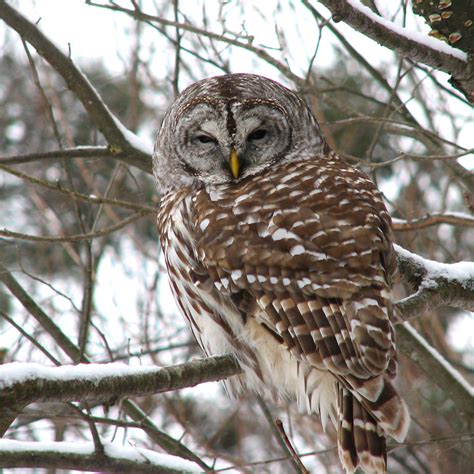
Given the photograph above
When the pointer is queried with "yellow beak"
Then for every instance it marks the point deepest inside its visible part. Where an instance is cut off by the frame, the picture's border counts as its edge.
(234, 164)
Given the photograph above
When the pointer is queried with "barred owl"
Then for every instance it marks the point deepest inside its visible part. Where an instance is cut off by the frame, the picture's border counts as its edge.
(281, 254)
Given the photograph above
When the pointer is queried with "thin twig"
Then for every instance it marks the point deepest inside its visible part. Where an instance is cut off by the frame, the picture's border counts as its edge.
(79, 196)
(279, 437)
(84, 152)
(295, 456)
(431, 220)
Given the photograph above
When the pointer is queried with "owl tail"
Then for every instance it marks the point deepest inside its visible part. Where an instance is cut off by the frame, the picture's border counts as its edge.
(362, 426)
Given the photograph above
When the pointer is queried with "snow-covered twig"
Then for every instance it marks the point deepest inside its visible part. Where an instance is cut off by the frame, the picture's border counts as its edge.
(413, 45)
(82, 457)
(436, 284)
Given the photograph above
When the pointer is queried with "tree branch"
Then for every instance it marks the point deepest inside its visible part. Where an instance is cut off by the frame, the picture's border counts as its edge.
(85, 152)
(436, 218)
(82, 457)
(15, 394)
(464, 175)
(9, 234)
(121, 141)
(56, 186)
(25, 383)
(436, 284)
(413, 45)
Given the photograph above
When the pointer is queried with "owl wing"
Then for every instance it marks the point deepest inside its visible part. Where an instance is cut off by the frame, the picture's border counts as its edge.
(306, 250)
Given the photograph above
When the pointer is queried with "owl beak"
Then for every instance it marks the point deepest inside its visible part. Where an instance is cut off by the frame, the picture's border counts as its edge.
(234, 163)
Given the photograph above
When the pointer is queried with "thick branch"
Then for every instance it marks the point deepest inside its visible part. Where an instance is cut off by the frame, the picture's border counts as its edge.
(417, 47)
(436, 284)
(25, 383)
(82, 457)
(120, 140)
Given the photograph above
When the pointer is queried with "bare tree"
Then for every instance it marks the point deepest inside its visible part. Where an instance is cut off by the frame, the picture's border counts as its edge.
(96, 370)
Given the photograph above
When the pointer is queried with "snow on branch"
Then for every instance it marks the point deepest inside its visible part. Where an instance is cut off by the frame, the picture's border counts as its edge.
(413, 45)
(122, 143)
(85, 457)
(437, 284)
(25, 383)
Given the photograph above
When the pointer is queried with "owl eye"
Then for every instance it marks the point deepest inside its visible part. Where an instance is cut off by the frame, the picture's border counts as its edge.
(257, 134)
(205, 139)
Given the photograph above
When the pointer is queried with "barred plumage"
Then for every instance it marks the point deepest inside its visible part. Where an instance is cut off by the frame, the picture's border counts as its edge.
(288, 263)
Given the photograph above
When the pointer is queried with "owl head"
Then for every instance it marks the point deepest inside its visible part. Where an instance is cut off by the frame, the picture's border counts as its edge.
(223, 129)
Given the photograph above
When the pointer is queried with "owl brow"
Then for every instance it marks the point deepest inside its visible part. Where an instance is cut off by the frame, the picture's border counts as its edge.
(201, 100)
(253, 102)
